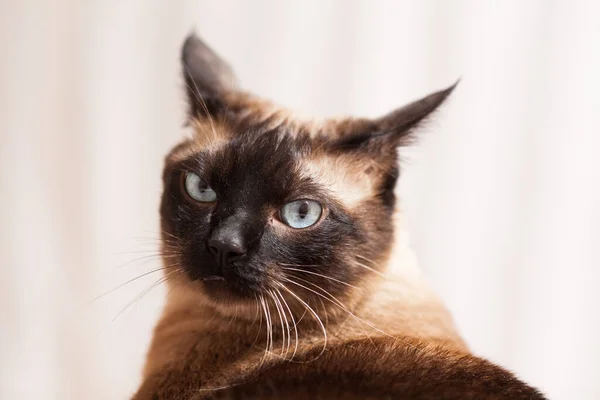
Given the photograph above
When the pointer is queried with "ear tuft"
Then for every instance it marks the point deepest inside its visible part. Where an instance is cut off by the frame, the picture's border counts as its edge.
(208, 77)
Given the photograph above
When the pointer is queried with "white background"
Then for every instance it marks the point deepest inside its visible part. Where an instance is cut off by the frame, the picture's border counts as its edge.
(502, 194)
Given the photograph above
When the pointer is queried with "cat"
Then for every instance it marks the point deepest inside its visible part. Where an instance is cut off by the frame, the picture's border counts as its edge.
(287, 261)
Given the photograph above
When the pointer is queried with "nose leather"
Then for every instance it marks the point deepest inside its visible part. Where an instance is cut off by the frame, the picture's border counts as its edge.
(227, 242)
(226, 249)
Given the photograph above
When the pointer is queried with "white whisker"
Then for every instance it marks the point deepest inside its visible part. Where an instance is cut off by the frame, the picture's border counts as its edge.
(143, 293)
(291, 292)
(322, 276)
(275, 303)
(293, 324)
(369, 268)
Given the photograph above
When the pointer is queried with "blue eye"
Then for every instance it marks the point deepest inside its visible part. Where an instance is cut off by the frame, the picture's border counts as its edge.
(198, 190)
(301, 213)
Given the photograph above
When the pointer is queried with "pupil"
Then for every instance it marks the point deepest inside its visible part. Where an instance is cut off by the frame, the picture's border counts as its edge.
(303, 210)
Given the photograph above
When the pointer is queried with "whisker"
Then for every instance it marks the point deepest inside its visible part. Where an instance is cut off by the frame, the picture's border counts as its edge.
(142, 260)
(265, 309)
(300, 265)
(322, 276)
(233, 318)
(302, 316)
(344, 308)
(154, 255)
(335, 301)
(133, 280)
(216, 388)
(277, 291)
(373, 263)
(258, 312)
(369, 268)
(275, 303)
(143, 293)
(170, 234)
(287, 325)
(291, 292)
(153, 252)
(338, 304)
(156, 240)
(270, 326)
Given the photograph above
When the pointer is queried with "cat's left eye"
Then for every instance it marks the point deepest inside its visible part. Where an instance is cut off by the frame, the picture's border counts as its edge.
(197, 189)
(301, 213)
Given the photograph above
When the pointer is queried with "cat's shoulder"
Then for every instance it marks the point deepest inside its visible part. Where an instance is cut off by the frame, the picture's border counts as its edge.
(384, 368)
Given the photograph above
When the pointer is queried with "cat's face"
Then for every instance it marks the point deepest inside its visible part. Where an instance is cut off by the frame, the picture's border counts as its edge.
(259, 204)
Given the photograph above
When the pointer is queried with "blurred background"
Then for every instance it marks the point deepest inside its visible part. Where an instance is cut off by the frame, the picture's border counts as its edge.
(502, 194)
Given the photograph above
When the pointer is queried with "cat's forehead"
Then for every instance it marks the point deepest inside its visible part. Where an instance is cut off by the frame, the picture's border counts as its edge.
(247, 116)
(242, 140)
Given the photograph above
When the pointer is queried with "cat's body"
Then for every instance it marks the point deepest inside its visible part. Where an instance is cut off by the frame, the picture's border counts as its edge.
(289, 270)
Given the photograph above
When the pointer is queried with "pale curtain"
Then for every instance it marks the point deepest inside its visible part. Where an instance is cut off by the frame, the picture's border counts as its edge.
(502, 194)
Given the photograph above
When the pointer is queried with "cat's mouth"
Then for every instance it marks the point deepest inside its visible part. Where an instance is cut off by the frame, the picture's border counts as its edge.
(213, 278)
(224, 279)
(228, 287)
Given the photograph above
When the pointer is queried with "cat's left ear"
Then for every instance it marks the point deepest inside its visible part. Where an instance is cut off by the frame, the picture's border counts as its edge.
(208, 78)
(396, 128)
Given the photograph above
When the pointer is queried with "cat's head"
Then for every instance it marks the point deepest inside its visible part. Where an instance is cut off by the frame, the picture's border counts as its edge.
(259, 203)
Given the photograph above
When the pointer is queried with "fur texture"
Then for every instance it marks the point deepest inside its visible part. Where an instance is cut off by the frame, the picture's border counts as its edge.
(337, 309)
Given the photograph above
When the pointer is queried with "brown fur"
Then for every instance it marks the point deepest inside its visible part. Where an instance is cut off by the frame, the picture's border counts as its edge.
(380, 332)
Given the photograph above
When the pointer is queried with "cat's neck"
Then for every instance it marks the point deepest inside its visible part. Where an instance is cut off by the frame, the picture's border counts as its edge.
(401, 302)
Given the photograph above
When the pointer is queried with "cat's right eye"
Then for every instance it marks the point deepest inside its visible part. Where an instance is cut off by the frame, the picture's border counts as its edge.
(197, 189)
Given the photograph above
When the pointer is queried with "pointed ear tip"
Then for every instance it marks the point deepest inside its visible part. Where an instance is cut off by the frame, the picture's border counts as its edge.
(192, 35)
(451, 88)
(192, 41)
(443, 94)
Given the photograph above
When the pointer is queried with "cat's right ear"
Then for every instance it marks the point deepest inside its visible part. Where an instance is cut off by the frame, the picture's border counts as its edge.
(208, 78)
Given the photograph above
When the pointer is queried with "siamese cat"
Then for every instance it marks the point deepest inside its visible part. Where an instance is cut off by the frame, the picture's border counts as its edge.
(288, 268)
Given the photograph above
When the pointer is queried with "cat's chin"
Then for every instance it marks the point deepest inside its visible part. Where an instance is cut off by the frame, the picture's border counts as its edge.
(221, 290)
